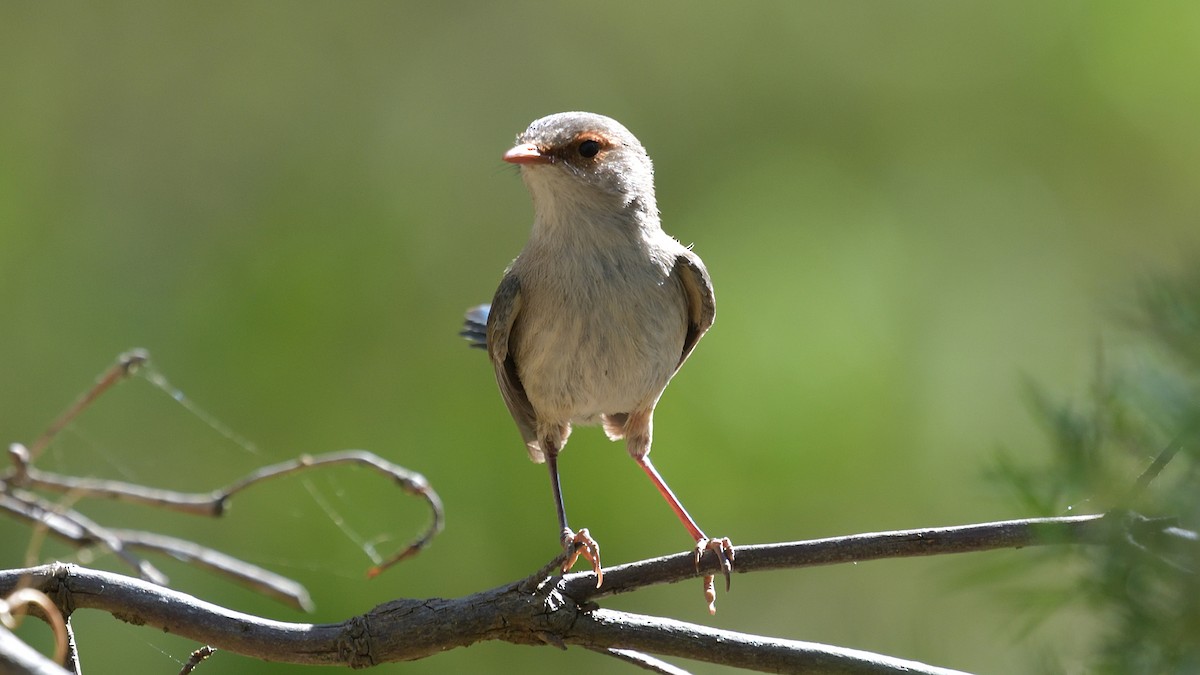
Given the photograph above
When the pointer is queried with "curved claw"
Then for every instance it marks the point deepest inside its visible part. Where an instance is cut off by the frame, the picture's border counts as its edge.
(581, 543)
(723, 548)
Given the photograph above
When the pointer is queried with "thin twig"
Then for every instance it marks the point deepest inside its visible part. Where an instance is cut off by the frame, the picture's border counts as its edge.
(1160, 462)
(753, 652)
(125, 366)
(643, 661)
(73, 526)
(69, 523)
(15, 605)
(197, 656)
(72, 663)
(18, 657)
(258, 579)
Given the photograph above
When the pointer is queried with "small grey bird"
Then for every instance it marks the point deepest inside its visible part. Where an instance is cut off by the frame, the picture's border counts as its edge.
(599, 310)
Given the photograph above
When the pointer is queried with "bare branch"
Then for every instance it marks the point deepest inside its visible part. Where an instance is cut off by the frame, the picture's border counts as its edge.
(126, 365)
(258, 579)
(23, 474)
(411, 629)
(73, 526)
(1160, 462)
(197, 657)
(72, 662)
(852, 548)
(643, 661)
(772, 655)
(15, 606)
(18, 658)
(556, 610)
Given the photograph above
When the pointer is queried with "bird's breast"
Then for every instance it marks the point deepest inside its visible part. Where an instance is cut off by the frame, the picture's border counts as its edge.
(601, 334)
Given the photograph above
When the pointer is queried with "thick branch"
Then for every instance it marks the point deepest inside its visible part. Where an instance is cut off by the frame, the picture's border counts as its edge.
(395, 631)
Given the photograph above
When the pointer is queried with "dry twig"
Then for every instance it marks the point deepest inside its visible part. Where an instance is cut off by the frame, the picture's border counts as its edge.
(23, 485)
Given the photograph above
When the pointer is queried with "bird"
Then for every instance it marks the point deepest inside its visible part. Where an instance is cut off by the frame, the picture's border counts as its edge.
(598, 311)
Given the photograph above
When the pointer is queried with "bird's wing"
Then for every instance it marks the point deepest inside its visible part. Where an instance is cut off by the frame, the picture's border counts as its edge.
(501, 323)
(701, 305)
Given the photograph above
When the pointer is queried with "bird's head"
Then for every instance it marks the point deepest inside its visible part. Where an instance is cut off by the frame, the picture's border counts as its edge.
(576, 163)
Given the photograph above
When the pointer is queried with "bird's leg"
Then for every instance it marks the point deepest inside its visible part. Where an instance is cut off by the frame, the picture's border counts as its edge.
(576, 543)
(722, 547)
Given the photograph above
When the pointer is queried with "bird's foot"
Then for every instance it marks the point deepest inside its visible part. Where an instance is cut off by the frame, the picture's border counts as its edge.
(581, 544)
(723, 548)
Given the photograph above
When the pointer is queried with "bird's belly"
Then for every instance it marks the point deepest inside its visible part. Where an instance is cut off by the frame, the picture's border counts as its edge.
(591, 358)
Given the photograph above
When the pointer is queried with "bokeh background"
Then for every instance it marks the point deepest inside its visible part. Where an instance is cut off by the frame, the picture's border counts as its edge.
(907, 209)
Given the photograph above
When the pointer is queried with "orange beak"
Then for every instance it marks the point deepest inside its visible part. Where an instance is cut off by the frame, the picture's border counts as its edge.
(526, 153)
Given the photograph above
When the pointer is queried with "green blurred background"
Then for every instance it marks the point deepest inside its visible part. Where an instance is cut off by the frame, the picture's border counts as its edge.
(905, 207)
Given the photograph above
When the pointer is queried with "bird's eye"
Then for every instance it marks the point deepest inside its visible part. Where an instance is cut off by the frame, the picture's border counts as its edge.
(589, 148)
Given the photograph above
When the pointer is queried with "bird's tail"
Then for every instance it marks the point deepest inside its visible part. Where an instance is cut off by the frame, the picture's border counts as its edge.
(475, 326)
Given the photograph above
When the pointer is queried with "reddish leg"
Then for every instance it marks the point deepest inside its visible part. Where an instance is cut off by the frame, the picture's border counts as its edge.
(722, 547)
